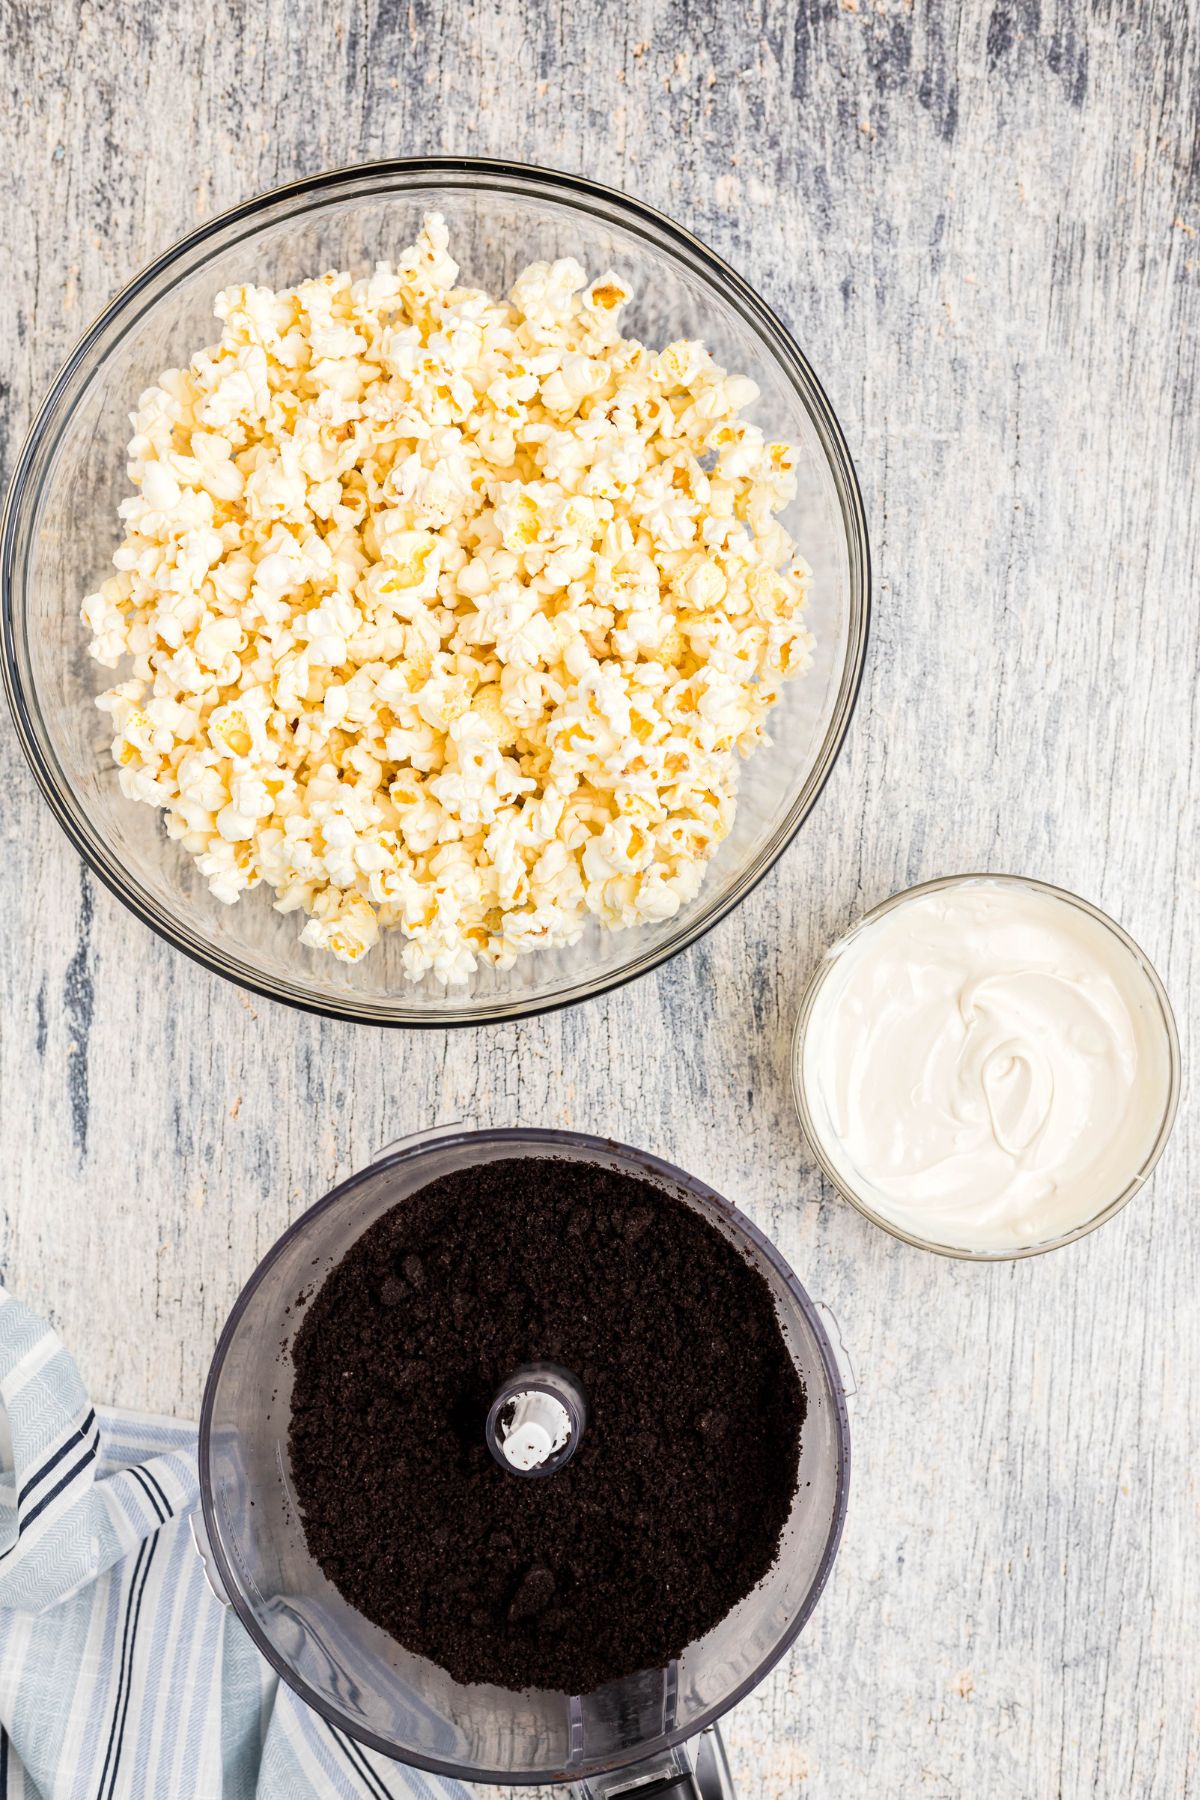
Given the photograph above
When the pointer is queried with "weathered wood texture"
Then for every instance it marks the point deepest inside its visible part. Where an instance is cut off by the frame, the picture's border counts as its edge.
(983, 224)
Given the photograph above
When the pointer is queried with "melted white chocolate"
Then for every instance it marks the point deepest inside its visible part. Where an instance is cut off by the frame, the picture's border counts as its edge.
(986, 1066)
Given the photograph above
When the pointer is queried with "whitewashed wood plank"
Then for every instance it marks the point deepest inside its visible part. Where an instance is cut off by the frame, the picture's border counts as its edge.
(983, 224)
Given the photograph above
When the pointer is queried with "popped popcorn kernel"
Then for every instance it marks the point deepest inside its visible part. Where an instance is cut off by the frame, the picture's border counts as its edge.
(448, 615)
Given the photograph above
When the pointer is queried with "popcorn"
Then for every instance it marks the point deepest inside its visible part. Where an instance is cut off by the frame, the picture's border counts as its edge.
(448, 615)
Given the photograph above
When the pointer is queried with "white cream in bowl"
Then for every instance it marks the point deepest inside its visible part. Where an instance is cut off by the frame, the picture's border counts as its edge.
(986, 1065)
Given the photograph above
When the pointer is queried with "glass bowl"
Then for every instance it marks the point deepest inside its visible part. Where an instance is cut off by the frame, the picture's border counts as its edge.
(352, 1672)
(1153, 997)
(60, 528)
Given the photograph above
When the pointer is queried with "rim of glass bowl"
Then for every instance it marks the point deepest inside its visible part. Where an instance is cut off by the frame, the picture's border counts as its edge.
(443, 1137)
(1174, 1067)
(294, 198)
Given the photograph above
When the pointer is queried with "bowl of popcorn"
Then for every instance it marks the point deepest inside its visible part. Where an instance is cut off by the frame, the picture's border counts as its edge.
(434, 592)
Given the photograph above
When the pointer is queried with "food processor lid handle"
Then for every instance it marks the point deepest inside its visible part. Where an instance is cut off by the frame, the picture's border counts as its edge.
(701, 1773)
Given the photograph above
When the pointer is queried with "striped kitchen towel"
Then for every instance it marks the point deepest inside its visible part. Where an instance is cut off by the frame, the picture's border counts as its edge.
(121, 1676)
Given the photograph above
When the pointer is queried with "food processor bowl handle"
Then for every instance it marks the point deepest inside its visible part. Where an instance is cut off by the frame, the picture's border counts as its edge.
(212, 1579)
(700, 1771)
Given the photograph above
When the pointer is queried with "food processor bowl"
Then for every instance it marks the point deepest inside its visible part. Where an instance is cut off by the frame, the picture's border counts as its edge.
(61, 527)
(632, 1731)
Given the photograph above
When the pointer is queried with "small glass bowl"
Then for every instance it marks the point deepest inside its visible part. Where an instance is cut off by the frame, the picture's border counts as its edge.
(1155, 991)
(60, 528)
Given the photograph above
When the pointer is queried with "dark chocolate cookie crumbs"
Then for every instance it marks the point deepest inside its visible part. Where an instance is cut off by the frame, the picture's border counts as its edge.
(672, 1507)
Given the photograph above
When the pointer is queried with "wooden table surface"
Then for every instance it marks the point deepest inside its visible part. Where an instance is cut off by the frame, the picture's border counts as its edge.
(982, 223)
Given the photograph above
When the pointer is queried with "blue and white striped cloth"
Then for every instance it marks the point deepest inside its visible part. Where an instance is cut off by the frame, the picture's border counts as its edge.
(121, 1677)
